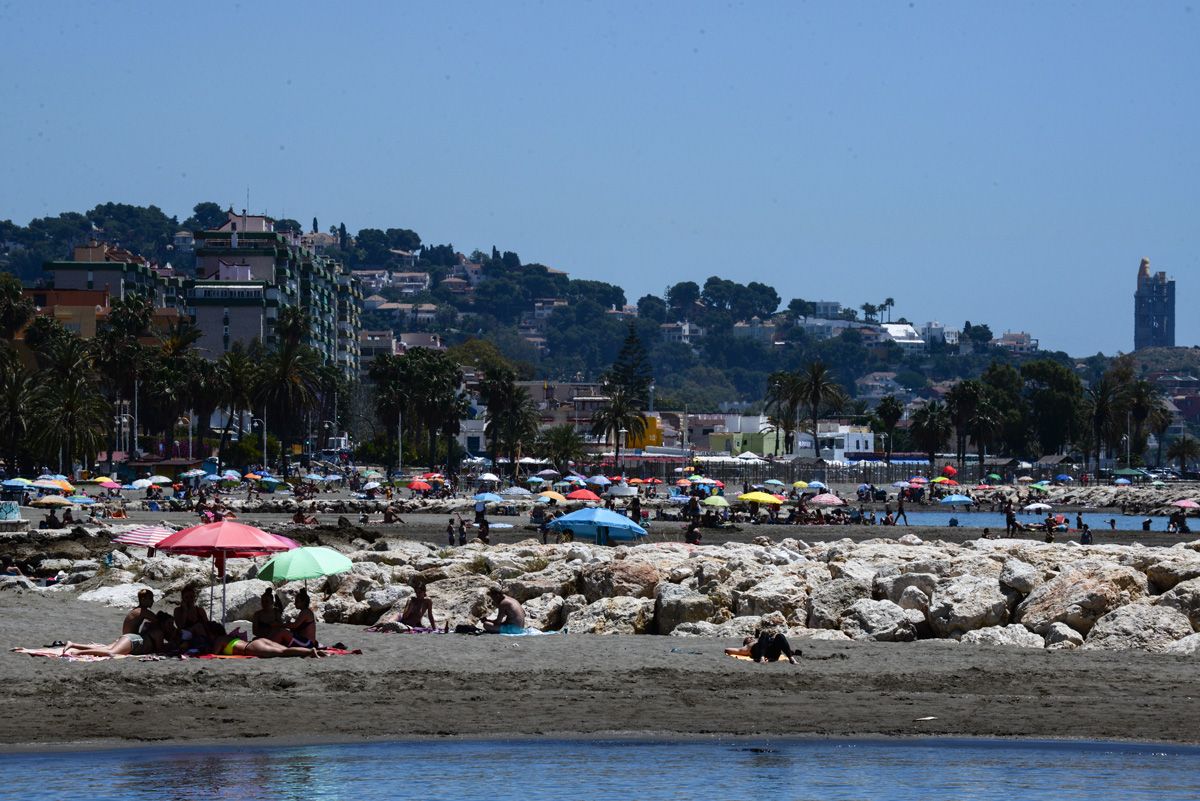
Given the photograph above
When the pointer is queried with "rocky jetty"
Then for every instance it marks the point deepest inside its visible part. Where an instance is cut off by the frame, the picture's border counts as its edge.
(982, 592)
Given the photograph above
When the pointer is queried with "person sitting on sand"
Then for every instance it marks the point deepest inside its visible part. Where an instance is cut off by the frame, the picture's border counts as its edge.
(227, 645)
(268, 620)
(189, 618)
(418, 608)
(390, 516)
(141, 615)
(767, 644)
(510, 616)
(304, 628)
(303, 519)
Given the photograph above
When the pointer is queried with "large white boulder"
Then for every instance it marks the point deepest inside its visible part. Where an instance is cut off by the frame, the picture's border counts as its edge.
(828, 602)
(242, 599)
(1138, 626)
(620, 615)
(1013, 634)
(785, 593)
(1188, 646)
(634, 578)
(965, 603)
(119, 596)
(1184, 597)
(1082, 593)
(558, 578)
(544, 612)
(1020, 576)
(1061, 637)
(882, 621)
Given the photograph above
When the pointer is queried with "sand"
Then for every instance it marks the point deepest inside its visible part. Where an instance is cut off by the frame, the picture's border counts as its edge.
(407, 686)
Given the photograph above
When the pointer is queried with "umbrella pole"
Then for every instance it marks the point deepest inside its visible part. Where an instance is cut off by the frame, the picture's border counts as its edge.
(224, 581)
(210, 585)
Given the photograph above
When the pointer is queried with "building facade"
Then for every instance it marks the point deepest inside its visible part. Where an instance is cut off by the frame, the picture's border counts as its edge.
(1153, 309)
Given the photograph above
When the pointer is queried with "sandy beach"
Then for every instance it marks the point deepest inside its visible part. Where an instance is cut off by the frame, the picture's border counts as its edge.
(406, 685)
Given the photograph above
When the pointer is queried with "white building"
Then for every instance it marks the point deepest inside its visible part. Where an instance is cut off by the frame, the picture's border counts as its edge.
(903, 335)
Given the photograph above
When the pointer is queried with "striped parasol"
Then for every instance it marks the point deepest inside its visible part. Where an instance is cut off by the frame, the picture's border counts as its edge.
(146, 536)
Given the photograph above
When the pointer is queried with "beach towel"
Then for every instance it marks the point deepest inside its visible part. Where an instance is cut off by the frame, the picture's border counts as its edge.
(56, 653)
(381, 628)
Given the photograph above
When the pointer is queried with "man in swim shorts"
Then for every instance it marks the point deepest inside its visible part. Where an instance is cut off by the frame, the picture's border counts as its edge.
(510, 616)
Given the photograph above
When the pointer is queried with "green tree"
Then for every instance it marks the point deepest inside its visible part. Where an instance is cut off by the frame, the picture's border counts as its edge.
(621, 411)
(1160, 422)
(682, 297)
(1143, 397)
(206, 216)
(73, 415)
(1184, 450)
(15, 310)
(931, 428)
(631, 371)
(653, 308)
(18, 398)
(238, 384)
(784, 402)
(819, 395)
(562, 445)
(889, 411)
(511, 420)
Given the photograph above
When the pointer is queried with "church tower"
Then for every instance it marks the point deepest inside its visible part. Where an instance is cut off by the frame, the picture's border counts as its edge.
(1153, 310)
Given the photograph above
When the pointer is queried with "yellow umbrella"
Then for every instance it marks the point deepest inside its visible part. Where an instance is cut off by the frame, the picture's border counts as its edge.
(800, 484)
(940, 480)
(554, 496)
(715, 500)
(759, 497)
(65, 486)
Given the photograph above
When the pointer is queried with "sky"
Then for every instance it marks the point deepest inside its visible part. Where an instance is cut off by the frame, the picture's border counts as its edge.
(1007, 163)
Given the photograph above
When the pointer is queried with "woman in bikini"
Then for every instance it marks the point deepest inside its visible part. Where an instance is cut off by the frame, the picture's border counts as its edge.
(132, 644)
(225, 645)
(304, 628)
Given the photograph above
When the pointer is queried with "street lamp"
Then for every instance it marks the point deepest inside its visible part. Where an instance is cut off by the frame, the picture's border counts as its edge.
(263, 424)
(621, 442)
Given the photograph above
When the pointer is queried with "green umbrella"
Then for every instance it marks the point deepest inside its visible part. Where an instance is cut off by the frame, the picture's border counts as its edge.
(995, 476)
(304, 563)
(715, 500)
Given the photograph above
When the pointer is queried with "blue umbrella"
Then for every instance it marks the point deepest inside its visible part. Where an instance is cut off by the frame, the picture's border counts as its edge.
(535, 480)
(951, 500)
(82, 500)
(488, 497)
(599, 480)
(314, 477)
(270, 480)
(1063, 477)
(816, 485)
(590, 522)
(1124, 482)
(15, 483)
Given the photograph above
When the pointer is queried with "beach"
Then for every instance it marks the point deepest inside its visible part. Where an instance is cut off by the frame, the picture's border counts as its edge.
(577, 685)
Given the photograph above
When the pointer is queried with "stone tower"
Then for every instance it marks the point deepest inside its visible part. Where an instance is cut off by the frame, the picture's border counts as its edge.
(1153, 309)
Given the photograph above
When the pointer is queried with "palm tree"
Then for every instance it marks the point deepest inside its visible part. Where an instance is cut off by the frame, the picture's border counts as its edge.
(18, 394)
(931, 427)
(621, 412)
(1185, 449)
(819, 394)
(1159, 421)
(237, 385)
(562, 445)
(889, 411)
(962, 400)
(1143, 398)
(869, 310)
(888, 304)
(393, 393)
(983, 426)
(177, 341)
(73, 415)
(290, 387)
(783, 402)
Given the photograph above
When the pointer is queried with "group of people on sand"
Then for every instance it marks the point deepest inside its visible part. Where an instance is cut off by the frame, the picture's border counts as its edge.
(188, 630)
(508, 619)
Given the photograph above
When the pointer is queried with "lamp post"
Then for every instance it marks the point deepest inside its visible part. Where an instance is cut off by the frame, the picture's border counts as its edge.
(186, 420)
(263, 424)
(621, 442)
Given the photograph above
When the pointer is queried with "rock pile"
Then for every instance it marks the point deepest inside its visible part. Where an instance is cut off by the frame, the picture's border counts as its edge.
(984, 592)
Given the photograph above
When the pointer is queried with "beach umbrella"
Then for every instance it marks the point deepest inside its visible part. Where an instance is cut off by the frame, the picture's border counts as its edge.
(1024, 479)
(816, 485)
(248, 477)
(1186, 503)
(582, 495)
(14, 483)
(800, 484)
(551, 495)
(1036, 507)
(949, 470)
(1039, 487)
(370, 485)
(233, 475)
(940, 480)
(334, 477)
(300, 564)
(984, 487)
(146, 536)
(654, 481)
(774, 482)
(683, 482)
(759, 497)
(51, 500)
(195, 472)
(995, 476)
(827, 499)
(1122, 482)
(159, 480)
(715, 500)
(488, 477)
(516, 492)
(221, 541)
(82, 500)
(598, 524)
(270, 480)
(954, 500)
(488, 497)
(372, 474)
(549, 473)
(636, 482)
(599, 480)
(141, 483)
(901, 484)
(1158, 483)
(309, 477)
(110, 485)
(1063, 477)
(419, 486)
(535, 480)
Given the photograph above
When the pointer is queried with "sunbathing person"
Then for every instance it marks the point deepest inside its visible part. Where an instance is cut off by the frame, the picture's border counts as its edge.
(510, 616)
(140, 615)
(304, 628)
(227, 645)
(268, 620)
(126, 644)
(768, 645)
(189, 618)
(412, 617)
(303, 519)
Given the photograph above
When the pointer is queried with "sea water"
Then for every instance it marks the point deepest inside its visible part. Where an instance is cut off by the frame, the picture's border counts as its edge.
(531, 770)
(1097, 521)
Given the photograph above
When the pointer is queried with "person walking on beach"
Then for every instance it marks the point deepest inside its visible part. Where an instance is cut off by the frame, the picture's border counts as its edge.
(900, 509)
(450, 532)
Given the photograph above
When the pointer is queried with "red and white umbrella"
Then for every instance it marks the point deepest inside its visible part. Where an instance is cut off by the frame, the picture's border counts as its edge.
(146, 536)
(827, 499)
(1187, 503)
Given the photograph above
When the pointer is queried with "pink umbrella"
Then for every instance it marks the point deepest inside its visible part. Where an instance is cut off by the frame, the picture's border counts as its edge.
(827, 499)
(221, 541)
(1187, 503)
(110, 485)
(583, 495)
(146, 536)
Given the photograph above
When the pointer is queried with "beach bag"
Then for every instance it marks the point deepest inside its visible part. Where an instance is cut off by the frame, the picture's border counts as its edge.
(467, 628)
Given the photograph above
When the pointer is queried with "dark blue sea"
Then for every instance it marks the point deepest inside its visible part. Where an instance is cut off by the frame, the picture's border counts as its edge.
(531, 770)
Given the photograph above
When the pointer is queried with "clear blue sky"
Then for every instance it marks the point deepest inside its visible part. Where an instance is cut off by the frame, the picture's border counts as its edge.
(1004, 162)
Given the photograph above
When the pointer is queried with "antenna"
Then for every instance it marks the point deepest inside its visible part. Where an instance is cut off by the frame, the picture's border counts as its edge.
(247, 197)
